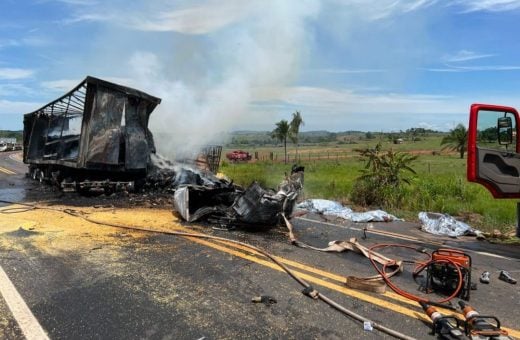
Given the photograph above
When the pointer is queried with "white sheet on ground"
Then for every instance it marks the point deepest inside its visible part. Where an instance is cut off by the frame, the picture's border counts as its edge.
(444, 224)
(332, 208)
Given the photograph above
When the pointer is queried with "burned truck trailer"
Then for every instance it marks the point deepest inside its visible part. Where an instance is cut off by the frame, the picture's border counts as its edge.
(94, 137)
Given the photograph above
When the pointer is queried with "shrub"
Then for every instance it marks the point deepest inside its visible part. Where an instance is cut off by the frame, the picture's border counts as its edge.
(382, 178)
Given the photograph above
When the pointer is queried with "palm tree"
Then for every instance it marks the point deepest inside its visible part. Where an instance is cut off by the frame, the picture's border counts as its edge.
(395, 165)
(281, 133)
(294, 128)
(457, 140)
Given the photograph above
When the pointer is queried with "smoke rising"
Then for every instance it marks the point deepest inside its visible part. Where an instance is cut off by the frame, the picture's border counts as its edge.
(264, 47)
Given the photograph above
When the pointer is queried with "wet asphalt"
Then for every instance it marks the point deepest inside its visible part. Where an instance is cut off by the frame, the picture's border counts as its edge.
(165, 287)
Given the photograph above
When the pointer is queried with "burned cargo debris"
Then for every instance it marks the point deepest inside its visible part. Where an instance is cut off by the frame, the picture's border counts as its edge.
(165, 175)
(226, 204)
(94, 137)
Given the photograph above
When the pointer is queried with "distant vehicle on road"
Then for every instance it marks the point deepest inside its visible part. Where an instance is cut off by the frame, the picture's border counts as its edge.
(10, 147)
(238, 156)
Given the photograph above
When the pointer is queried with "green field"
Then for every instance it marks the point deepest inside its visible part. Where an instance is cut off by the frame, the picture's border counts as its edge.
(337, 150)
(440, 183)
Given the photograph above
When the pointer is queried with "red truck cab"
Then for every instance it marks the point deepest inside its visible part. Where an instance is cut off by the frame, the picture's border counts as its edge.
(493, 149)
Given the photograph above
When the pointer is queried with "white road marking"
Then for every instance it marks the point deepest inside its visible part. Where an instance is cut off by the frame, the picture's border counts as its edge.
(413, 239)
(491, 255)
(16, 159)
(331, 224)
(26, 321)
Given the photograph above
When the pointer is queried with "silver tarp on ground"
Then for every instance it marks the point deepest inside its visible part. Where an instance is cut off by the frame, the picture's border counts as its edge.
(332, 208)
(444, 224)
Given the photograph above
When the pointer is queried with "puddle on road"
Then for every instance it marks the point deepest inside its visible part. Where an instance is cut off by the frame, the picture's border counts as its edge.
(12, 195)
(26, 190)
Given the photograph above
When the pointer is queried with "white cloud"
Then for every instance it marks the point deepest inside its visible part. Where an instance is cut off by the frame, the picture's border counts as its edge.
(465, 55)
(350, 71)
(345, 100)
(200, 19)
(442, 69)
(417, 4)
(488, 5)
(344, 109)
(17, 107)
(490, 68)
(32, 41)
(65, 85)
(477, 68)
(10, 89)
(9, 43)
(79, 2)
(60, 84)
(90, 17)
(7, 73)
(381, 9)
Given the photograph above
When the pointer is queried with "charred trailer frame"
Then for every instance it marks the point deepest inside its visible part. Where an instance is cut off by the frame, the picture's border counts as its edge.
(95, 136)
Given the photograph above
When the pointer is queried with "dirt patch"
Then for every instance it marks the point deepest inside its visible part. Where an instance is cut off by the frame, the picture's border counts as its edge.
(52, 230)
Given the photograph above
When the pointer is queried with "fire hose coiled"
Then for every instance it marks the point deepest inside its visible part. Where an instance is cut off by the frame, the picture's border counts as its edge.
(419, 268)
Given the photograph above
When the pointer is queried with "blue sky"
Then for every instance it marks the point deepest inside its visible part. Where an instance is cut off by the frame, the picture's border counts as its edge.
(231, 64)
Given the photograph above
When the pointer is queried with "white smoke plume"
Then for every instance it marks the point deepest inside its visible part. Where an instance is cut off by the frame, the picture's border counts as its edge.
(263, 47)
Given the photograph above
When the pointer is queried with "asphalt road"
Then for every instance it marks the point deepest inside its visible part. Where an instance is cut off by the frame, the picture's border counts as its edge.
(87, 281)
(11, 175)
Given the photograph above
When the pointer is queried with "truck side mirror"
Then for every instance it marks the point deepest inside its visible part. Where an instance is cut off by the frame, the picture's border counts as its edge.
(505, 130)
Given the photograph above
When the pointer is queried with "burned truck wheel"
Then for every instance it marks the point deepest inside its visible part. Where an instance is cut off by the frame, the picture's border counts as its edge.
(56, 178)
(139, 185)
(109, 190)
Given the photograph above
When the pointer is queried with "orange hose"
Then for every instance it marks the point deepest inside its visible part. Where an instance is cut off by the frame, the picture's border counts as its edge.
(417, 270)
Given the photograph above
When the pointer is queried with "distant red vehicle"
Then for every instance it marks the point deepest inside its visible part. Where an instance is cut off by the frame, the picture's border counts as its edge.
(238, 156)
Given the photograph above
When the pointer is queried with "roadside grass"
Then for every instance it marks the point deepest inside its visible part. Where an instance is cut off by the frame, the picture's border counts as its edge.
(439, 186)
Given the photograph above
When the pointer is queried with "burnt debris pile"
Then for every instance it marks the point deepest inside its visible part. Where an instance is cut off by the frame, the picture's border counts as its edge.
(199, 195)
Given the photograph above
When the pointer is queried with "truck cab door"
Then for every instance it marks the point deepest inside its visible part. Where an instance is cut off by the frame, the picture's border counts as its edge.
(493, 158)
